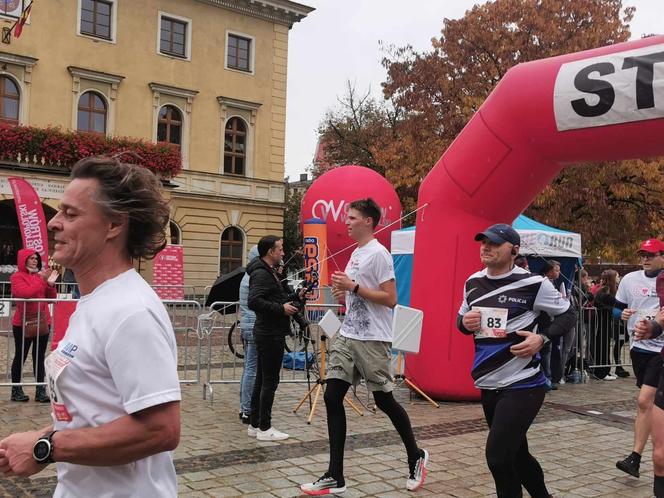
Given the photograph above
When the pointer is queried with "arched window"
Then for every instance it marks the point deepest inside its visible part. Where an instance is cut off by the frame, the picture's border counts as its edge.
(9, 100)
(169, 125)
(91, 113)
(232, 243)
(176, 235)
(235, 143)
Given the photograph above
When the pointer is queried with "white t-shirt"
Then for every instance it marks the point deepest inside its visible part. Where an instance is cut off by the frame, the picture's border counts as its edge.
(638, 292)
(117, 357)
(370, 266)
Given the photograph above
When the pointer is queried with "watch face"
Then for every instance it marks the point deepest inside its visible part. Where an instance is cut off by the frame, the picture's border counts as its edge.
(41, 450)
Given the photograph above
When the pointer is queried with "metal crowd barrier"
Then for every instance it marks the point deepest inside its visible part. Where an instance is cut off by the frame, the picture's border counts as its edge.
(183, 315)
(39, 345)
(225, 352)
(61, 288)
(606, 342)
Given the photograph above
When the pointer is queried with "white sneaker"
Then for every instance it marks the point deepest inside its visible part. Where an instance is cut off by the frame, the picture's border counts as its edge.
(252, 431)
(610, 377)
(418, 473)
(271, 434)
(562, 382)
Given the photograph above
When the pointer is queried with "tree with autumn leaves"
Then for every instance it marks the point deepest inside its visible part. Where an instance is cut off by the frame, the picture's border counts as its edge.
(430, 96)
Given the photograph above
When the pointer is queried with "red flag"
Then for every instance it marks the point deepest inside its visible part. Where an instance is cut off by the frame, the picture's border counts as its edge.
(31, 219)
(18, 27)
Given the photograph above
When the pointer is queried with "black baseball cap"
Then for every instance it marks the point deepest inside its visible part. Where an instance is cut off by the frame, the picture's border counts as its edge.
(499, 234)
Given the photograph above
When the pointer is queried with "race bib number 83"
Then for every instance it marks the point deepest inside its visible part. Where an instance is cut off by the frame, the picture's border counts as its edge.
(494, 322)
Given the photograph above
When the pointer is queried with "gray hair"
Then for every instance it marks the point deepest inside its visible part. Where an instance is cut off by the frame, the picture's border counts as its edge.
(132, 191)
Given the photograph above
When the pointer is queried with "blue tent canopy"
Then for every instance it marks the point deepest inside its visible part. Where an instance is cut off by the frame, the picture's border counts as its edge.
(539, 242)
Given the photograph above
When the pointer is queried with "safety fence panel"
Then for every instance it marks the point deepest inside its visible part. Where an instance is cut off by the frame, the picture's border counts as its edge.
(606, 342)
(184, 318)
(183, 315)
(225, 348)
(15, 345)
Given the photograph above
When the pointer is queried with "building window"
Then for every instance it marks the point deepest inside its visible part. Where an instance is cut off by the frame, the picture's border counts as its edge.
(235, 146)
(169, 125)
(231, 250)
(239, 53)
(91, 113)
(96, 18)
(173, 37)
(176, 236)
(9, 100)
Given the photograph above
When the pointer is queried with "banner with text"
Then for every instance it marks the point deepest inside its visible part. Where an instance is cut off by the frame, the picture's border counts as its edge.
(31, 219)
(168, 273)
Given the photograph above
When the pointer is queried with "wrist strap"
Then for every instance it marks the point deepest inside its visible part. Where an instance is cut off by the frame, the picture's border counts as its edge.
(357, 288)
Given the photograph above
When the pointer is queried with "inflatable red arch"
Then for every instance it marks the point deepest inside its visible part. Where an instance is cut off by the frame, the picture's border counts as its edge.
(597, 105)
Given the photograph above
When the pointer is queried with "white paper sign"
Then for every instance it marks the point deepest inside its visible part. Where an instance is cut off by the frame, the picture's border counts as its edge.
(609, 89)
(494, 322)
(406, 329)
(330, 324)
(5, 306)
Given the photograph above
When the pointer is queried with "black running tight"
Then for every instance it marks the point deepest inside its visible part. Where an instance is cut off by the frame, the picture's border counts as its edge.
(335, 392)
(509, 414)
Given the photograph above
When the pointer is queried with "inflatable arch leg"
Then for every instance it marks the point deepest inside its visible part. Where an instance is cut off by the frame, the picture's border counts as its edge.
(602, 104)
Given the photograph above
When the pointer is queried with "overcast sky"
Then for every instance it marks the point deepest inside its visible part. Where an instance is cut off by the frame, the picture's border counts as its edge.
(339, 42)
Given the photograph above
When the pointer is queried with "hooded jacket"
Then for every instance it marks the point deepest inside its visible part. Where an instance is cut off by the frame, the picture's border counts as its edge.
(267, 296)
(26, 285)
(247, 317)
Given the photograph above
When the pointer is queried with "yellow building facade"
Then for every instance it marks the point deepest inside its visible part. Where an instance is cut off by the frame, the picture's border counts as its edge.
(209, 75)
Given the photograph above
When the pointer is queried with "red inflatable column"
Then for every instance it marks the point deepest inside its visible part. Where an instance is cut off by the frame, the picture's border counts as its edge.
(603, 104)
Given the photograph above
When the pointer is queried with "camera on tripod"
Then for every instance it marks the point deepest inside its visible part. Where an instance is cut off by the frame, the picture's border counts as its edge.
(301, 300)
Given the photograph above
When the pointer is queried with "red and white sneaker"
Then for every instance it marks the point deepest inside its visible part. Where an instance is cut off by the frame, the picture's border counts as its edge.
(326, 485)
(418, 473)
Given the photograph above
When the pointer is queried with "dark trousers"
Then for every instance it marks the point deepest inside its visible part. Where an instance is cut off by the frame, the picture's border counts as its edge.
(21, 348)
(270, 357)
(335, 391)
(509, 414)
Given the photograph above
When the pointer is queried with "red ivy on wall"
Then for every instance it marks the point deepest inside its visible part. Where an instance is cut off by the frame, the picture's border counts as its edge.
(63, 148)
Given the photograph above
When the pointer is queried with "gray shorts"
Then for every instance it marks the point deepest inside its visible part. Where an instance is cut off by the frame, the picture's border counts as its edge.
(352, 360)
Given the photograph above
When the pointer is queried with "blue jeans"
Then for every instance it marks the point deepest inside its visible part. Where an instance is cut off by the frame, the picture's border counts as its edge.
(249, 372)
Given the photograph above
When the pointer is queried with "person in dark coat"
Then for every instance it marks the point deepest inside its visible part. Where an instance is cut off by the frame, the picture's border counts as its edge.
(270, 298)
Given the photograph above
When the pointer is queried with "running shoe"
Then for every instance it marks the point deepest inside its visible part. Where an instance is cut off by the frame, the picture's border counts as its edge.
(610, 377)
(418, 472)
(271, 434)
(630, 465)
(326, 485)
(252, 431)
(622, 373)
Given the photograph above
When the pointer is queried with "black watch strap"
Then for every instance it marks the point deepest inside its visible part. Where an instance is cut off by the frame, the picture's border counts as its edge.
(357, 288)
(49, 438)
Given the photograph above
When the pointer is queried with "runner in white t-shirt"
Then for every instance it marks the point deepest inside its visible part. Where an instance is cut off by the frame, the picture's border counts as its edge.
(113, 380)
(363, 348)
(636, 301)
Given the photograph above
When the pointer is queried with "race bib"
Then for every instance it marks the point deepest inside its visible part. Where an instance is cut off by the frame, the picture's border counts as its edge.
(55, 364)
(494, 322)
(647, 315)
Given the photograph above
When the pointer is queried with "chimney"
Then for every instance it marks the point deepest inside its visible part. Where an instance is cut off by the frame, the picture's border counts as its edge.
(303, 177)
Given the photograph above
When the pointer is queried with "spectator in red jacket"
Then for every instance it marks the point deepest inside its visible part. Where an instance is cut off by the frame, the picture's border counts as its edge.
(30, 282)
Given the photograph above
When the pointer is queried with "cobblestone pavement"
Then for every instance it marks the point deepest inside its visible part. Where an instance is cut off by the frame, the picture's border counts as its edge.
(578, 436)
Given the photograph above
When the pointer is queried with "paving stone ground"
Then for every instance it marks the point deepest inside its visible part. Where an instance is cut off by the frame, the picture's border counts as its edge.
(577, 449)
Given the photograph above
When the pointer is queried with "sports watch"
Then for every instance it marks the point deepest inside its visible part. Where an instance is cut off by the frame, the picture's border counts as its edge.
(42, 451)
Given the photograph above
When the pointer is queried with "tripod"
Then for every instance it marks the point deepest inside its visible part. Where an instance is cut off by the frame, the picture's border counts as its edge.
(400, 377)
(319, 385)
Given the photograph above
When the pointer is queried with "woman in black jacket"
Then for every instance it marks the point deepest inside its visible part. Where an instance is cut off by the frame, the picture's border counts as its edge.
(606, 326)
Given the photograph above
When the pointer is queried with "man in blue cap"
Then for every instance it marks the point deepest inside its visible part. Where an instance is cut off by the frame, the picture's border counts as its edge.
(500, 308)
